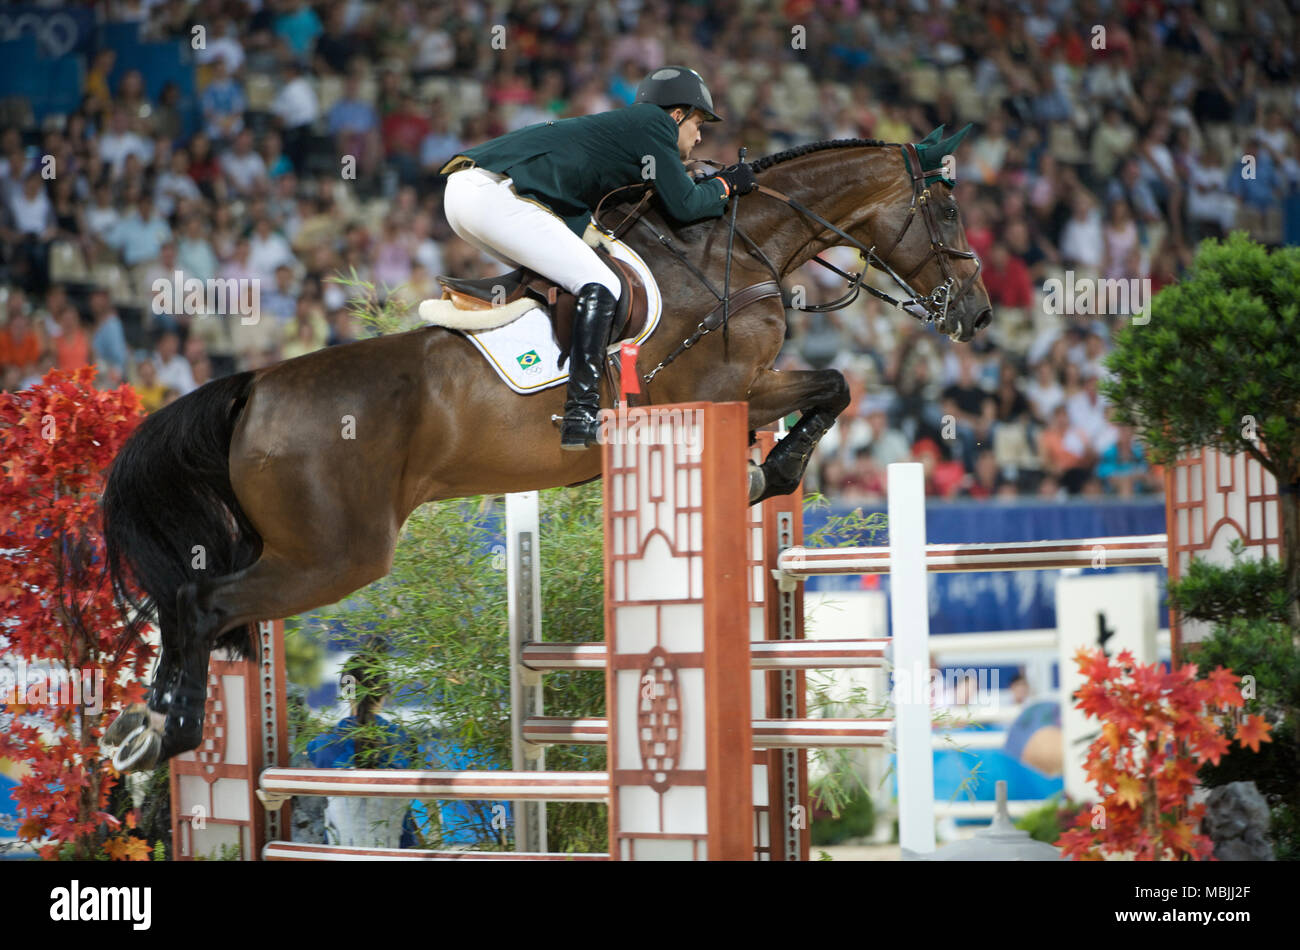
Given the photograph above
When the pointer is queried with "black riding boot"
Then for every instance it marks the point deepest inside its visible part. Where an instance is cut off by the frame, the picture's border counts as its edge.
(591, 326)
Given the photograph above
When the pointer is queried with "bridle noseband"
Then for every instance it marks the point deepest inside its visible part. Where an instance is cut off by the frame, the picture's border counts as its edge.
(936, 303)
(932, 307)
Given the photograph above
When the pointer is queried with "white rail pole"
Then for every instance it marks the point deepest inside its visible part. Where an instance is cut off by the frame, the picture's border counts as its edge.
(523, 588)
(909, 613)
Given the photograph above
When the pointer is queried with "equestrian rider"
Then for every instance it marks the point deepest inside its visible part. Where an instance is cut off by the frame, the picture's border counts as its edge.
(526, 197)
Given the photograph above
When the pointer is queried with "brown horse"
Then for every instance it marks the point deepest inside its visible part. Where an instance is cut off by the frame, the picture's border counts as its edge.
(269, 493)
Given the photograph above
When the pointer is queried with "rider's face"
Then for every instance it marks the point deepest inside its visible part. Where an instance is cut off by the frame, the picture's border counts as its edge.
(688, 133)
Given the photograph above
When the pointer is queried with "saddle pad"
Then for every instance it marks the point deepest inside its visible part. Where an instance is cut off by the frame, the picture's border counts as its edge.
(524, 352)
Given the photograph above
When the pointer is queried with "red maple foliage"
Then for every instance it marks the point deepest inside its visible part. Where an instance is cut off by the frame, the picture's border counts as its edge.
(58, 612)
(1158, 727)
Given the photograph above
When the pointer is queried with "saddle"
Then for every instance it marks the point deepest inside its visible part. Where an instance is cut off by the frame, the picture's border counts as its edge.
(484, 294)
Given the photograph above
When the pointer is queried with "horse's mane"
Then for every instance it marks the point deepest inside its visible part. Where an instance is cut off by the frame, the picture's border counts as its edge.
(767, 161)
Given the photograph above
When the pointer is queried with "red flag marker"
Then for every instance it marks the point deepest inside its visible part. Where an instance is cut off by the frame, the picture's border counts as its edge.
(630, 381)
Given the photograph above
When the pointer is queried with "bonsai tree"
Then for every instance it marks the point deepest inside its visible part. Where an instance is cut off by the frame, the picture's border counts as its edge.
(1218, 365)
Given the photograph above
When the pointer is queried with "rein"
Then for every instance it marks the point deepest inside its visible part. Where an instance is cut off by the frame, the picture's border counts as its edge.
(932, 307)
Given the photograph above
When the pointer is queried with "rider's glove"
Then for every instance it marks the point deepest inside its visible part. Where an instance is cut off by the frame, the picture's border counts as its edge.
(739, 178)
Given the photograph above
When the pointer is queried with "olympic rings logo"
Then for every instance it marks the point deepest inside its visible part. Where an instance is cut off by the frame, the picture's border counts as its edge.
(57, 33)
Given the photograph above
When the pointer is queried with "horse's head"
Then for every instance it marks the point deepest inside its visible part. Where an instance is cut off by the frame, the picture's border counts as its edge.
(918, 235)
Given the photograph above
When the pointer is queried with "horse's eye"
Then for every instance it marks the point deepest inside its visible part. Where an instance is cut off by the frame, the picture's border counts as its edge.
(951, 214)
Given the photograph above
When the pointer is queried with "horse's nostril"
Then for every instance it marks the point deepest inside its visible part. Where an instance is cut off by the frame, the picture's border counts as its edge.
(984, 319)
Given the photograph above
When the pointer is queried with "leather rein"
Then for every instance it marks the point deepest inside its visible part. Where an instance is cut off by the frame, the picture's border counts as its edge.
(933, 307)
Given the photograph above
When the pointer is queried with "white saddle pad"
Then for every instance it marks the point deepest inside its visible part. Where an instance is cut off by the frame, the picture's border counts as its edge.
(524, 352)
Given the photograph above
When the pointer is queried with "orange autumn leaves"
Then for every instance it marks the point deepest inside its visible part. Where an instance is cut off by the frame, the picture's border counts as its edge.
(1158, 727)
(57, 441)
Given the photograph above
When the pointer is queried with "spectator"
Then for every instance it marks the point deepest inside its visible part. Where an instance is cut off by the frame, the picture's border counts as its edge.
(121, 141)
(1119, 241)
(337, 44)
(108, 342)
(273, 158)
(153, 394)
(268, 250)
(223, 105)
(194, 253)
(1123, 468)
(865, 482)
(140, 235)
(296, 108)
(1131, 188)
(175, 185)
(72, 345)
(281, 301)
(355, 127)
(132, 100)
(243, 169)
(173, 369)
(1111, 141)
(21, 343)
(1006, 278)
(1081, 241)
(987, 481)
(205, 169)
(1064, 452)
(298, 27)
(33, 228)
(392, 257)
(942, 478)
(1211, 208)
(1086, 408)
(888, 445)
(404, 132)
(439, 145)
(100, 219)
(223, 44)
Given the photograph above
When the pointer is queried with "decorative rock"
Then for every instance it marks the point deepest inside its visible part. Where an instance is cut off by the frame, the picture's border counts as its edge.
(1000, 841)
(1237, 819)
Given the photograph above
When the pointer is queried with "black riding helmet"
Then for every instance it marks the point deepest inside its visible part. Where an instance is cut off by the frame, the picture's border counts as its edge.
(671, 86)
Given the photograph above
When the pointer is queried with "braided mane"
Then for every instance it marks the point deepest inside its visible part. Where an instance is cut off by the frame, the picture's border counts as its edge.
(767, 161)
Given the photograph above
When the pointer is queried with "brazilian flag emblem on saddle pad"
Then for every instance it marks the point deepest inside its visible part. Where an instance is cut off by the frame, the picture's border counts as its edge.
(529, 359)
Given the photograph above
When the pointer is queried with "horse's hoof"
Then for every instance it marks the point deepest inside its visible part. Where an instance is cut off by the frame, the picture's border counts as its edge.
(130, 719)
(140, 752)
(757, 482)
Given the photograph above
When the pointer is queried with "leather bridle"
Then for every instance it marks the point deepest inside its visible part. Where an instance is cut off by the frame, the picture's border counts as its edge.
(932, 307)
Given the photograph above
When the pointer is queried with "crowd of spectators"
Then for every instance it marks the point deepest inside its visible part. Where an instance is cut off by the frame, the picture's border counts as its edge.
(1109, 138)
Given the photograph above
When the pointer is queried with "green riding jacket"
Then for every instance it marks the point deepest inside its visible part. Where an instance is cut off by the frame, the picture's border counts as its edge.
(568, 165)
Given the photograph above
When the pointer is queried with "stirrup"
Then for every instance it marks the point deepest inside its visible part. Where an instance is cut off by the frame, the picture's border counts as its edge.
(579, 429)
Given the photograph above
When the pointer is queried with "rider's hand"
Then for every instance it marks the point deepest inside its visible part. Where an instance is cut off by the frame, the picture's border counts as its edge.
(739, 178)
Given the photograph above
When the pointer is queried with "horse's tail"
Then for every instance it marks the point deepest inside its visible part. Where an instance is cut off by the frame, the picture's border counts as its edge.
(170, 512)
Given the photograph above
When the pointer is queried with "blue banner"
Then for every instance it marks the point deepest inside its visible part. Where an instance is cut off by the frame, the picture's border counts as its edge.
(1005, 600)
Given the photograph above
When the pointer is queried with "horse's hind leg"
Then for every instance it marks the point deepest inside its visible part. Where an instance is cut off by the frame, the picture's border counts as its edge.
(130, 731)
(272, 588)
(820, 395)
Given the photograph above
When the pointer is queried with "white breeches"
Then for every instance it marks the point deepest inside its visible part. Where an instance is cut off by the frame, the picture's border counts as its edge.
(482, 207)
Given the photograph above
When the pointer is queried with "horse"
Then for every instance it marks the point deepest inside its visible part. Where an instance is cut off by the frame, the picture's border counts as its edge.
(268, 493)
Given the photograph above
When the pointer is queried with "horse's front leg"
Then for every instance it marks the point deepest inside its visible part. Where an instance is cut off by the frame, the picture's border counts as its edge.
(820, 395)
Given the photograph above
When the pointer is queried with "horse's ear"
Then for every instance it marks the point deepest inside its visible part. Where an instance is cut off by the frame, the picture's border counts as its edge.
(949, 145)
(933, 138)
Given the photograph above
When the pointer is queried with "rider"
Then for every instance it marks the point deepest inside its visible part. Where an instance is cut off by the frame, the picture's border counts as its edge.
(527, 196)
